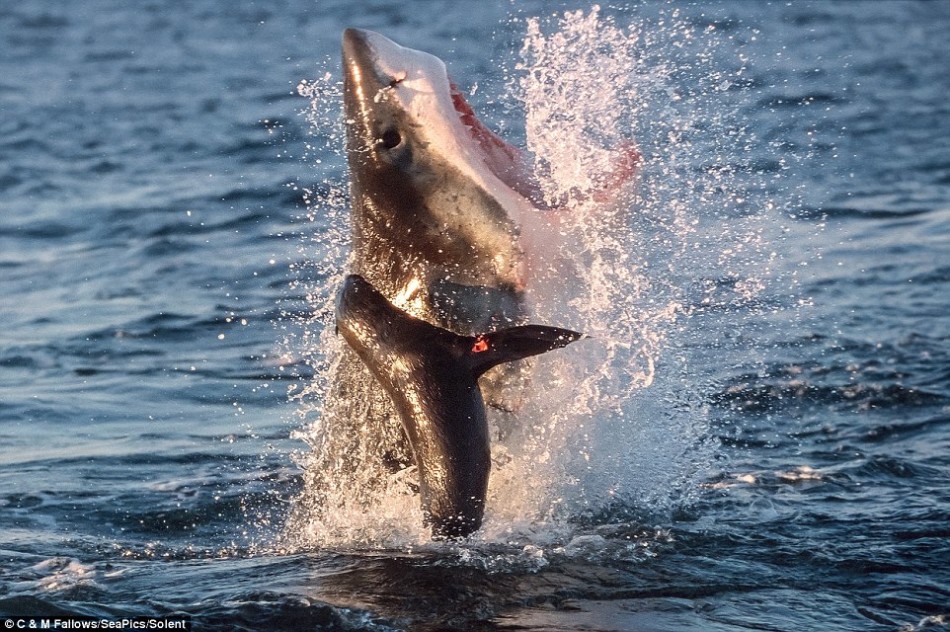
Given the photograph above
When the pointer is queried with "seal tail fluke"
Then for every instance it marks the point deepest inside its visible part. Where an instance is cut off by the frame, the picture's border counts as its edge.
(516, 343)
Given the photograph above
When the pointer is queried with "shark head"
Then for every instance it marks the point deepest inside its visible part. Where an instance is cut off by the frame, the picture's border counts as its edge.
(429, 182)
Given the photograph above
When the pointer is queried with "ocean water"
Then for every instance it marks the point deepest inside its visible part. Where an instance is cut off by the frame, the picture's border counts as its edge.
(757, 437)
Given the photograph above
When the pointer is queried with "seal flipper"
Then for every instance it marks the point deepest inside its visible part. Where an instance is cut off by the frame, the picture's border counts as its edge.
(515, 343)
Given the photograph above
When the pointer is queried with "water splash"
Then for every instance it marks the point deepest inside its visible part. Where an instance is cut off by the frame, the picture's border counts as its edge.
(616, 428)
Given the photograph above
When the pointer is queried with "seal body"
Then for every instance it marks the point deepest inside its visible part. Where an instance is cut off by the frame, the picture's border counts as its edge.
(431, 376)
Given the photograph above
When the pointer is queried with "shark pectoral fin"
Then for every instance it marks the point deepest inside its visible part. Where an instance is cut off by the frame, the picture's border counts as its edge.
(516, 343)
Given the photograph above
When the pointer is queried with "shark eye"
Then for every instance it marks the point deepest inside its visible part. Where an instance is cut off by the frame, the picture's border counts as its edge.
(391, 139)
(480, 345)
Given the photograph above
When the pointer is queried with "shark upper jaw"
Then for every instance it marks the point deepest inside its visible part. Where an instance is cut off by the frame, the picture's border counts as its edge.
(418, 83)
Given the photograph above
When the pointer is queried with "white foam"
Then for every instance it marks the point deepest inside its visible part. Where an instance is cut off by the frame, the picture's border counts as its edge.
(57, 574)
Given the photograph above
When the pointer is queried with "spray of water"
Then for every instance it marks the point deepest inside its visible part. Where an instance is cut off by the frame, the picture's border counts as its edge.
(614, 428)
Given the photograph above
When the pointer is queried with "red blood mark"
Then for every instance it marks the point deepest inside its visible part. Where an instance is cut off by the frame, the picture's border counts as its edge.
(485, 137)
(480, 345)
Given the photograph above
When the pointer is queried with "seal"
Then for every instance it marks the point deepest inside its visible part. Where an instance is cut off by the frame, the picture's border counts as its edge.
(431, 375)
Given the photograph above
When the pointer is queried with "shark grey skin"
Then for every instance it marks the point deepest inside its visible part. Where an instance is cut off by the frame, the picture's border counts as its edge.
(431, 374)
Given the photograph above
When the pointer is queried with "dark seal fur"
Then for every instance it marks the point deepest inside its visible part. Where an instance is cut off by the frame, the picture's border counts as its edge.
(431, 374)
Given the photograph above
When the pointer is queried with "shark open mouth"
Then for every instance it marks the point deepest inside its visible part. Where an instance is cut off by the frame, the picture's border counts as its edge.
(513, 167)
(418, 84)
(507, 162)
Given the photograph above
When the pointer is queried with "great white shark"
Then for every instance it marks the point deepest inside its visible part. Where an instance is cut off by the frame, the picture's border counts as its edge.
(447, 225)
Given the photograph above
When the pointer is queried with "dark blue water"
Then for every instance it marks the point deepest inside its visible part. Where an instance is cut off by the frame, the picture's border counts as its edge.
(156, 254)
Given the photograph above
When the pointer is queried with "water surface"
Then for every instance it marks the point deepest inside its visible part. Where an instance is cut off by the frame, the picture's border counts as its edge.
(158, 254)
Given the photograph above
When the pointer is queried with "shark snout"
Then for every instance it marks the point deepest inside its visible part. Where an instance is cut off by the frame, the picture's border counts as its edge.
(355, 45)
(372, 60)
